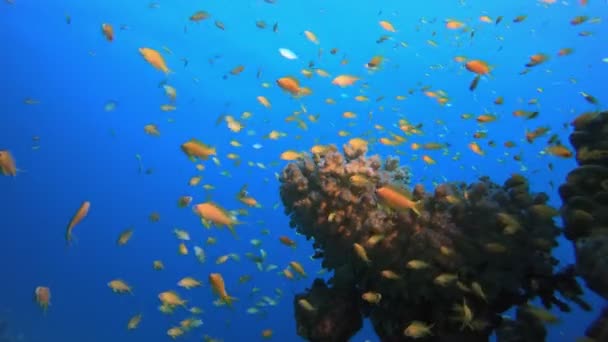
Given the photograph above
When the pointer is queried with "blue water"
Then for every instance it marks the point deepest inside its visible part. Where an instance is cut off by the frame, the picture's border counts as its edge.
(87, 153)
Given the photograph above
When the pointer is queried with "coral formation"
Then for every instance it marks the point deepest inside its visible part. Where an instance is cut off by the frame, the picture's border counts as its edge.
(335, 316)
(585, 204)
(453, 259)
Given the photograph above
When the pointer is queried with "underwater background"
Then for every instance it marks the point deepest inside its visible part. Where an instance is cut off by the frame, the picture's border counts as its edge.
(74, 106)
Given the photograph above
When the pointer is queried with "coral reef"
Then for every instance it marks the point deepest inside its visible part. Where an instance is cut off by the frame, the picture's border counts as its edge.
(598, 330)
(454, 258)
(335, 316)
(585, 205)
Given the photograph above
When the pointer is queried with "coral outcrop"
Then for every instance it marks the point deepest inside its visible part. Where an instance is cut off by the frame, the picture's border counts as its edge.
(453, 258)
(585, 207)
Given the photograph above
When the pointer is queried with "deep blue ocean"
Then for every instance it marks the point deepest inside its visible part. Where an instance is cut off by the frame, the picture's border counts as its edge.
(59, 73)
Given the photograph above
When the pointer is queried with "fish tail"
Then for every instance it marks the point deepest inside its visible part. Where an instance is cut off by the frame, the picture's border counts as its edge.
(232, 230)
(229, 300)
(418, 205)
(68, 237)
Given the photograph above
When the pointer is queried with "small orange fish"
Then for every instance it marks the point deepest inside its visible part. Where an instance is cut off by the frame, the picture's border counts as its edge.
(387, 26)
(184, 201)
(287, 241)
(42, 294)
(565, 51)
(264, 101)
(485, 118)
(267, 333)
(538, 132)
(478, 67)
(579, 20)
(397, 199)
(520, 18)
(212, 213)
(374, 63)
(454, 24)
(197, 149)
(7, 164)
(559, 151)
(428, 160)
(80, 214)
(198, 16)
(344, 80)
(311, 36)
(537, 59)
(108, 31)
(237, 70)
(289, 84)
(217, 284)
(155, 59)
(476, 149)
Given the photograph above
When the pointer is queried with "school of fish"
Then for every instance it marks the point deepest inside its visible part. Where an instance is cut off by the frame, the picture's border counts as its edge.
(356, 108)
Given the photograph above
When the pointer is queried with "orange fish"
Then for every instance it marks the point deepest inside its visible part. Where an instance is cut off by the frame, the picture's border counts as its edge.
(237, 70)
(312, 37)
(454, 24)
(289, 84)
(155, 59)
(212, 213)
(478, 67)
(108, 31)
(520, 18)
(198, 16)
(538, 132)
(387, 26)
(267, 333)
(264, 101)
(565, 51)
(42, 294)
(217, 284)
(197, 149)
(397, 199)
(7, 164)
(80, 214)
(344, 80)
(484, 118)
(579, 20)
(537, 59)
(374, 63)
(428, 160)
(559, 151)
(287, 241)
(476, 149)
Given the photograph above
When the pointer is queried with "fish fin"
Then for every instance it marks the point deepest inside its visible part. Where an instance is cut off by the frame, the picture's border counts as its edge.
(418, 205)
(232, 230)
(71, 240)
(229, 300)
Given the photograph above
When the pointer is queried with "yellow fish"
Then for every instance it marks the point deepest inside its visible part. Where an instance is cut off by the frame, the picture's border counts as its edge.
(155, 59)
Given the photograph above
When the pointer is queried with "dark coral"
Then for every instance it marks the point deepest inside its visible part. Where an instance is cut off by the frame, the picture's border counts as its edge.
(335, 316)
(598, 330)
(585, 205)
(494, 241)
